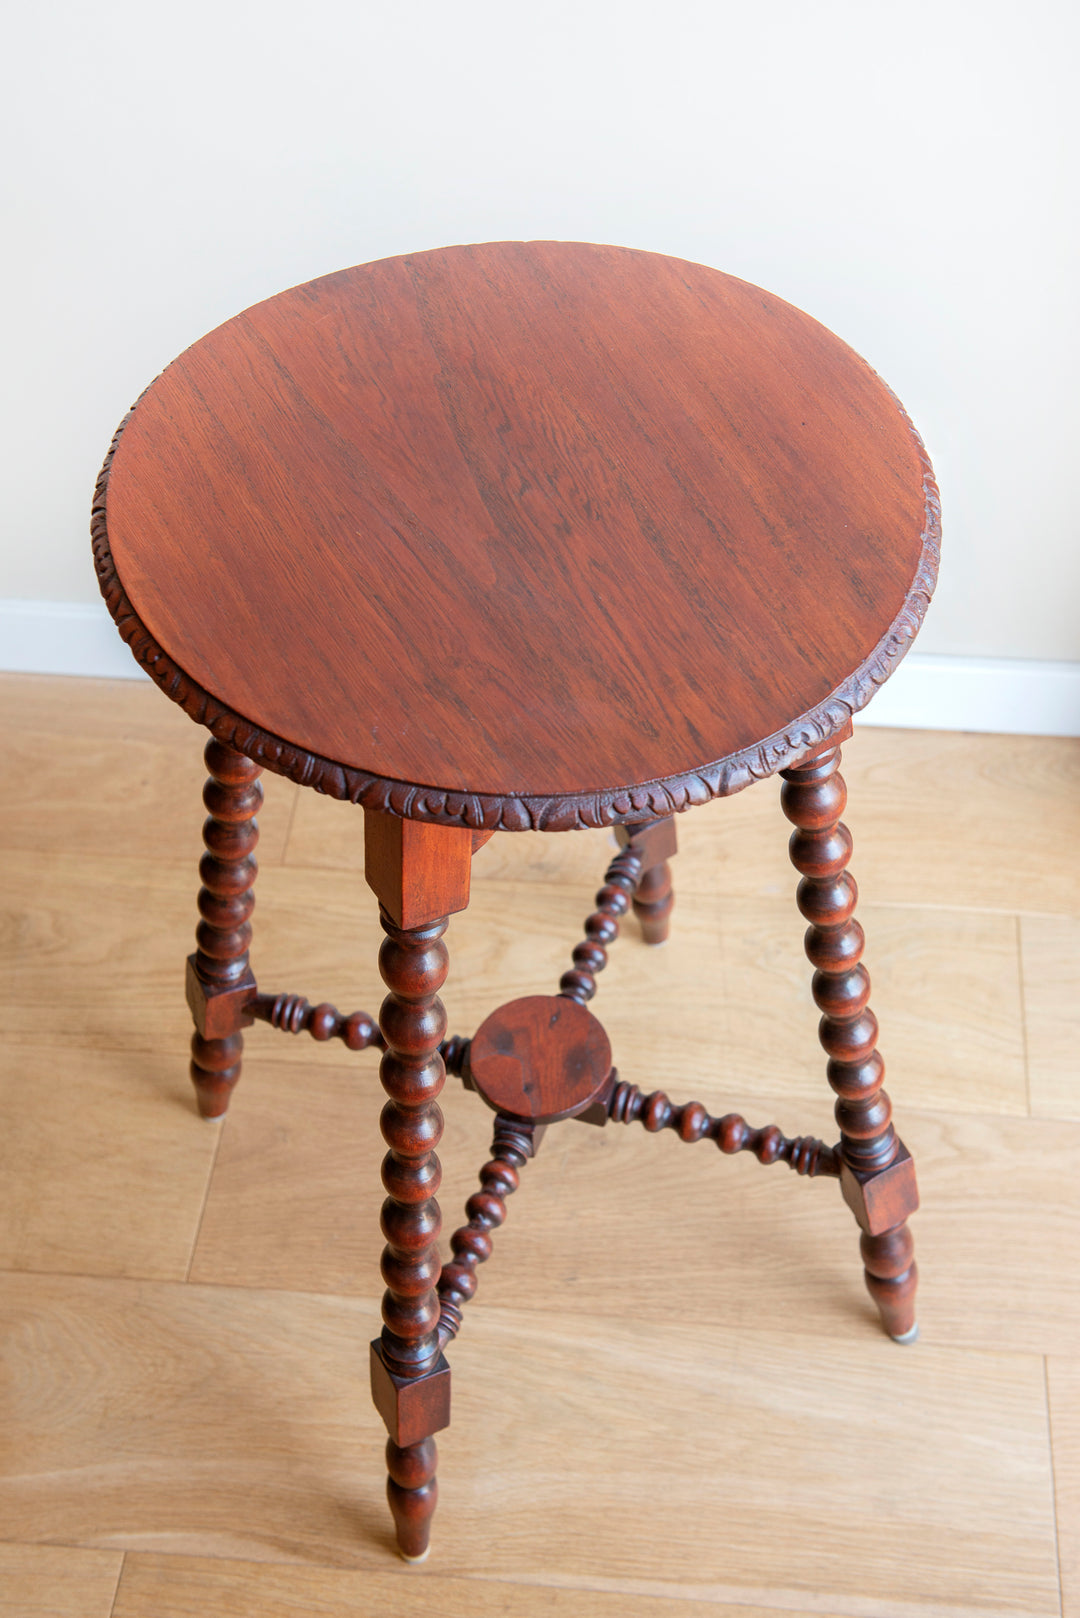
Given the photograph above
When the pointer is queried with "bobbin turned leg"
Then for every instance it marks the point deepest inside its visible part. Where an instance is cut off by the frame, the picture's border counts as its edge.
(877, 1174)
(219, 980)
(653, 897)
(421, 875)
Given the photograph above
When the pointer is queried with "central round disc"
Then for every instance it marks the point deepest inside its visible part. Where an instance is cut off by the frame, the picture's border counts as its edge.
(540, 1059)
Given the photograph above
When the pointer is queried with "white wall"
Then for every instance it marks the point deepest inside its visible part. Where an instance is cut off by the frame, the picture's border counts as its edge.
(904, 171)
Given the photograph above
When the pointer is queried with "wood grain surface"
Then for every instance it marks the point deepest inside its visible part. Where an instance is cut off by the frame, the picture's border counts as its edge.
(193, 1587)
(57, 1581)
(526, 523)
(540, 1058)
(1063, 1390)
(1050, 953)
(230, 1422)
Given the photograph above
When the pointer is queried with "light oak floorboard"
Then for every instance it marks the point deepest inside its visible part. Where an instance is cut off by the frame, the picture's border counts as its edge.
(733, 983)
(183, 1587)
(93, 953)
(296, 1195)
(939, 818)
(158, 1417)
(99, 767)
(726, 1003)
(103, 1161)
(943, 818)
(56, 1581)
(1063, 1381)
(1050, 949)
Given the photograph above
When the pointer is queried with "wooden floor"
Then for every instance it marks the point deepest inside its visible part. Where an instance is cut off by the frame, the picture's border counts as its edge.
(671, 1390)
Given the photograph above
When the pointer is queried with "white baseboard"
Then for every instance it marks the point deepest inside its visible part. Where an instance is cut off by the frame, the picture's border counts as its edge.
(63, 637)
(928, 692)
(1010, 695)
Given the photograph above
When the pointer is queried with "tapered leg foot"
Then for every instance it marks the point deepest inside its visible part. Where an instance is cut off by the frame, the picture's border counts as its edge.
(413, 1492)
(891, 1279)
(653, 903)
(655, 843)
(215, 1068)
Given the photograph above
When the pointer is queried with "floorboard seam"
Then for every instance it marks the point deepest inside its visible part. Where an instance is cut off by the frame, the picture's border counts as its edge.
(205, 1200)
(1053, 1481)
(1023, 1012)
(119, 1576)
(289, 829)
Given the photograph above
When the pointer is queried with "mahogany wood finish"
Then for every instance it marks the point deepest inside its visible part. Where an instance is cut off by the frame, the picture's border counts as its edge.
(540, 1059)
(413, 963)
(418, 871)
(430, 457)
(879, 1176)
(527, 534)
(219, 979)
(455, 1054)
(602, 927)
(298, 1016)
(653, 900)
(731, 1133)
(514, 1143)
(412, 1492)
(412, 1407)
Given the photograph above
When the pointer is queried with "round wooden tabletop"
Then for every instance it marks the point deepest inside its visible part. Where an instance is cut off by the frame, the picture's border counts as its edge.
(528, 533)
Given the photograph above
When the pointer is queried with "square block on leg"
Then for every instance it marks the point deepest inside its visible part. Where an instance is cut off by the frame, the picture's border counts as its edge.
(655, 841)
(419, 871)
(219, 1012)
(881, 1199)
(412, 1407)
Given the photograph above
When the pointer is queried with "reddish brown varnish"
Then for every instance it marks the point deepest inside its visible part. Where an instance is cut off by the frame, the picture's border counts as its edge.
(879, 1176)
(526, 523)
(514, 1143)
(621, 879)
(654, 898)
(298, 1016)
(219, 978)
(731, 1133)
(413, 963)
(528, 533)
(540, 1059)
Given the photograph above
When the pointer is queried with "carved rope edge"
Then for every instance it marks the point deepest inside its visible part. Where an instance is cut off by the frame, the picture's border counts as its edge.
(510, 812)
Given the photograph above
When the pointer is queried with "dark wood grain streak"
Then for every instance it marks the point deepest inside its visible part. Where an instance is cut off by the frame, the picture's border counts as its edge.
(519, 445)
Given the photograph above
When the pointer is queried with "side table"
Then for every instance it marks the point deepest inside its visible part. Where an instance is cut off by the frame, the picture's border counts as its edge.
(527, 534)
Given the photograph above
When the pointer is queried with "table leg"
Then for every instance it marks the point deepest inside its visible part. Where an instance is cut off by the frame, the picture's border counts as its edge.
(219, 979)
(653, 898)
(421, 875)
(877, 1173)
